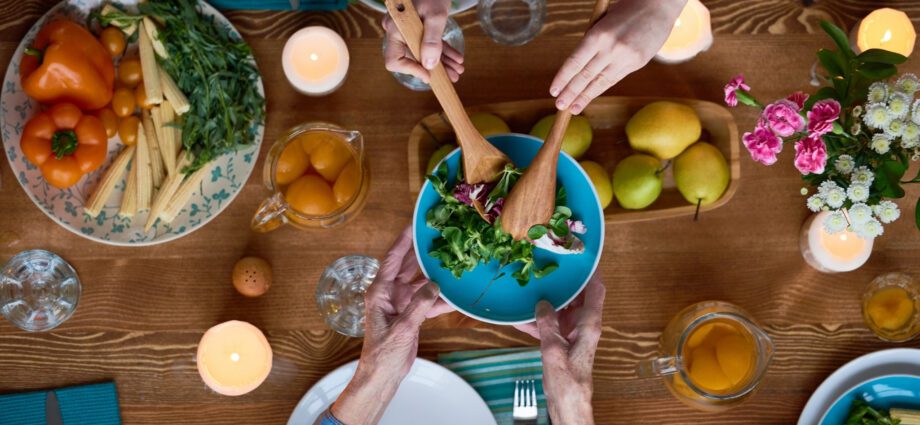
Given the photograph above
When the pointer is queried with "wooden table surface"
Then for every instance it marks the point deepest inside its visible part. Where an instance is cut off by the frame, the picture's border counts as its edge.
(144, 309)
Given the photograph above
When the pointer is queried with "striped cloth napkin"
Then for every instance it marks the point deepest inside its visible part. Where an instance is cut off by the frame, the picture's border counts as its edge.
(95, 404)
(492, 374)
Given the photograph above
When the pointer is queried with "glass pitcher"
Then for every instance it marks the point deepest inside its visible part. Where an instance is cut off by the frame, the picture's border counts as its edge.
(712, 356)
(276, 211)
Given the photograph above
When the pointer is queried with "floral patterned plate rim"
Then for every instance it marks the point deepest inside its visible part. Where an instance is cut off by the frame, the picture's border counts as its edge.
(228, 174)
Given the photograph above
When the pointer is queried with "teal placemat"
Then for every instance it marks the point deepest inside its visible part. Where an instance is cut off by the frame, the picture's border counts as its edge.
(95, 404)
(492, 374)
(316, 5)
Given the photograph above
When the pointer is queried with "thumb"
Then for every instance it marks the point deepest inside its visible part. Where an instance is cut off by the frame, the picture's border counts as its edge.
(551, 341)
(422, 301)
(431, 40)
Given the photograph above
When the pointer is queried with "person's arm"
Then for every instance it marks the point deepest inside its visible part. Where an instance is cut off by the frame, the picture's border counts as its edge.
(398, 58)
(568, 341)
(621, 42)
(396, 304)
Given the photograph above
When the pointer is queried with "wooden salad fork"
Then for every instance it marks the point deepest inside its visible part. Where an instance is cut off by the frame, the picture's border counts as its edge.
(482, 162)
(532, 199)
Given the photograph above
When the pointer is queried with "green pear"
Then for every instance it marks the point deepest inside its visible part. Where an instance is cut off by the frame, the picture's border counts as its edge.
(578, 135)
(637, 181)
(701, 174)
(438, 155)
(663, 129)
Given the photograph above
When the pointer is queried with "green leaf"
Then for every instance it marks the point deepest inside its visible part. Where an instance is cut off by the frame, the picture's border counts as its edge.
(877, 71)
(746, 99)
(888, 179)
(536, 232)
(561, 196)
(832, 61)
(563, 211)
(839, 37)
(881, 56)
(545, 270)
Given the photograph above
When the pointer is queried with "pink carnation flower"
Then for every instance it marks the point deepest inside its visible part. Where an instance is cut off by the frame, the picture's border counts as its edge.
(821, 117)
(783, 118)
(763, 144)
(810, 155)
(798, 98)
(737, 83)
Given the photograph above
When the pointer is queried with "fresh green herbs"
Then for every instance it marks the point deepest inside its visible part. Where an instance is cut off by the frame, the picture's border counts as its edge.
(215, 70)
(863, 414)
(467, 239)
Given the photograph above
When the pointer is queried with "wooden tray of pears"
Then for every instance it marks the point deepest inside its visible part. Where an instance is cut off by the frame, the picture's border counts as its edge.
(661, 144)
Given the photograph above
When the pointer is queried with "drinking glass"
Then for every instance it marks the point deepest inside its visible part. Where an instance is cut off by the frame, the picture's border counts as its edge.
(38, 290)
(891, 307)
(340, 293)
(675, 346)
(453, 36)
(512, 22)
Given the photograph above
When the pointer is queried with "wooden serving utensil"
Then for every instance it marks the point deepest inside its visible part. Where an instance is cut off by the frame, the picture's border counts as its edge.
(482, 162)
(532, 199)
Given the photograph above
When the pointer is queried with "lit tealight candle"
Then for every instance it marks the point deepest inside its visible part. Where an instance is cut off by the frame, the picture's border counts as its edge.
(234, 358)
(832, 252)
(315, 60)
(692, 34)
(887, 29)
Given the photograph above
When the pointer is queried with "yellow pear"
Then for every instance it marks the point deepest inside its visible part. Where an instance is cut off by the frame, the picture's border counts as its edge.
(701, 174)
(663, 129)
(601, 181)
(489, 124)
(578, 135)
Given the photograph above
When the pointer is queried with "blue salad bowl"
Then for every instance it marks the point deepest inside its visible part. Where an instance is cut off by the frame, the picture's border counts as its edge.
(885, 392)
(505, 301)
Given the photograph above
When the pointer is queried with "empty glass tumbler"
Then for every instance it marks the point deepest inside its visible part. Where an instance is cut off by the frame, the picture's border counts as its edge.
(38, 290)
(512, 22)
(340, 293)
(453, 36)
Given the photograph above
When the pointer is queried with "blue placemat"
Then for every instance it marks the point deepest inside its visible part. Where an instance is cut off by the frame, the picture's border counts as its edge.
(95, 404)
(492, 374)
(316, 5)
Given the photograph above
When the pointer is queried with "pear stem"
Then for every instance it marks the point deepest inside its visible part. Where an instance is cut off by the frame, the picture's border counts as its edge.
(696, 216)
(663, 169)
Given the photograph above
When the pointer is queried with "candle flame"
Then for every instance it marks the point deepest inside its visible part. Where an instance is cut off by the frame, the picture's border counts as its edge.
(235, 357)
(677, 23)
(314, 57)
(844, 237)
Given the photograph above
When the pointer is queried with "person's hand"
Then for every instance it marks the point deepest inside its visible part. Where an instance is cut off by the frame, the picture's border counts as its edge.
(395, 305)
(624, 40)
(568, 341)
(399, 58)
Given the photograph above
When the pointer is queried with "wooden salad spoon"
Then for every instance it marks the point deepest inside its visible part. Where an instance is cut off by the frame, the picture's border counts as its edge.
(482, 162)
(532, 199)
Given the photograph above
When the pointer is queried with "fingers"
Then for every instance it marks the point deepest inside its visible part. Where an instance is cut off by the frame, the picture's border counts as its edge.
(453, 68)
(421, 303)
(580, 81)
(589, 325)
(453, 54)
(431, 39)
(552, 344)
(409, 268)
(529, 329)
(572, 66)
(440, 307)
(394, 259)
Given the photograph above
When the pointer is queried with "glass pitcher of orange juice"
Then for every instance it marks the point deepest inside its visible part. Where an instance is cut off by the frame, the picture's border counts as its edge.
(318, 176)
(713, 356)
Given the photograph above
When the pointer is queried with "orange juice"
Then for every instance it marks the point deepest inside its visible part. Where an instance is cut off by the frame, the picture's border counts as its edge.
(891, 307)
(720, 355)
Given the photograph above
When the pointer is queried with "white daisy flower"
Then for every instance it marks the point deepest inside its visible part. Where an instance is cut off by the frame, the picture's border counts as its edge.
(878, 92)
(869, 230)
(844, 164)
(857, 111)
(907, 83)
(915, 112)
(803, 191)
(899, 105)
(860, 213)
(835, 222)
(881, 143)
(895, 129)
(910, 136)
(887, 211)
(862, 175)
(858, 192)
(815, 203)
(835, 197)
(825, 187)
(877, 116)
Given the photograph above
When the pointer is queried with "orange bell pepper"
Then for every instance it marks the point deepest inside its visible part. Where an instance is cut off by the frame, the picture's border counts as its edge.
(66, 63)
(64, 144)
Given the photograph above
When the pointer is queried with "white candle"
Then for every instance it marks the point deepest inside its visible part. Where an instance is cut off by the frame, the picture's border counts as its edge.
(315, 60)
(887, 29)
(234, 358)
(691, 34)
(832, 252)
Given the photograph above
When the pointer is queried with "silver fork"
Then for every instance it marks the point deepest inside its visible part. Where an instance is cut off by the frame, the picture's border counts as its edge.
(525, 401)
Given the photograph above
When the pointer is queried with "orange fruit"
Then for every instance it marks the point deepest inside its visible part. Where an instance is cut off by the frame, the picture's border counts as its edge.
(292, 163)
(346, 185)
(706, 372)
(735, 356)
(891, 308)
(310, 195)
(328, 154)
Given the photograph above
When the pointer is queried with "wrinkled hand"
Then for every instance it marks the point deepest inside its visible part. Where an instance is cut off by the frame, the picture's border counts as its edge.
(621, 42)
(399, 58)
(396, 304)
(568, 342)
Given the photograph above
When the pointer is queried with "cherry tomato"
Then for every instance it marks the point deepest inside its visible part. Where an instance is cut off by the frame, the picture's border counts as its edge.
(109, 121)
(127, 130)
(113, 40)
(129, 72)
(140, 96)
(123, 102)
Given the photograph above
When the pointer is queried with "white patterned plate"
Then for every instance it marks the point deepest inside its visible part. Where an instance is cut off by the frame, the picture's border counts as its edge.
(228, 175)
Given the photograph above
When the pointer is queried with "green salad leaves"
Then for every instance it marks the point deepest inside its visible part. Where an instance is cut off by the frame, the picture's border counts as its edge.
(863, 414)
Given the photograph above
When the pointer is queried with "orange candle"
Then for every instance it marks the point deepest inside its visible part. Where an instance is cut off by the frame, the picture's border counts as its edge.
(832, 252)
(234, 358)
(691, 34)
(315, 60)
(887, 29)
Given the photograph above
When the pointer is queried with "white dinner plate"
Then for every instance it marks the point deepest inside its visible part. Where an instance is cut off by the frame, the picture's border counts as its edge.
(430, 394)
(897, 361)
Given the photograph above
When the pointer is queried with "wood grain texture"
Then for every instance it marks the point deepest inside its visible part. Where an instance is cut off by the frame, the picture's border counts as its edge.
(143, 310)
